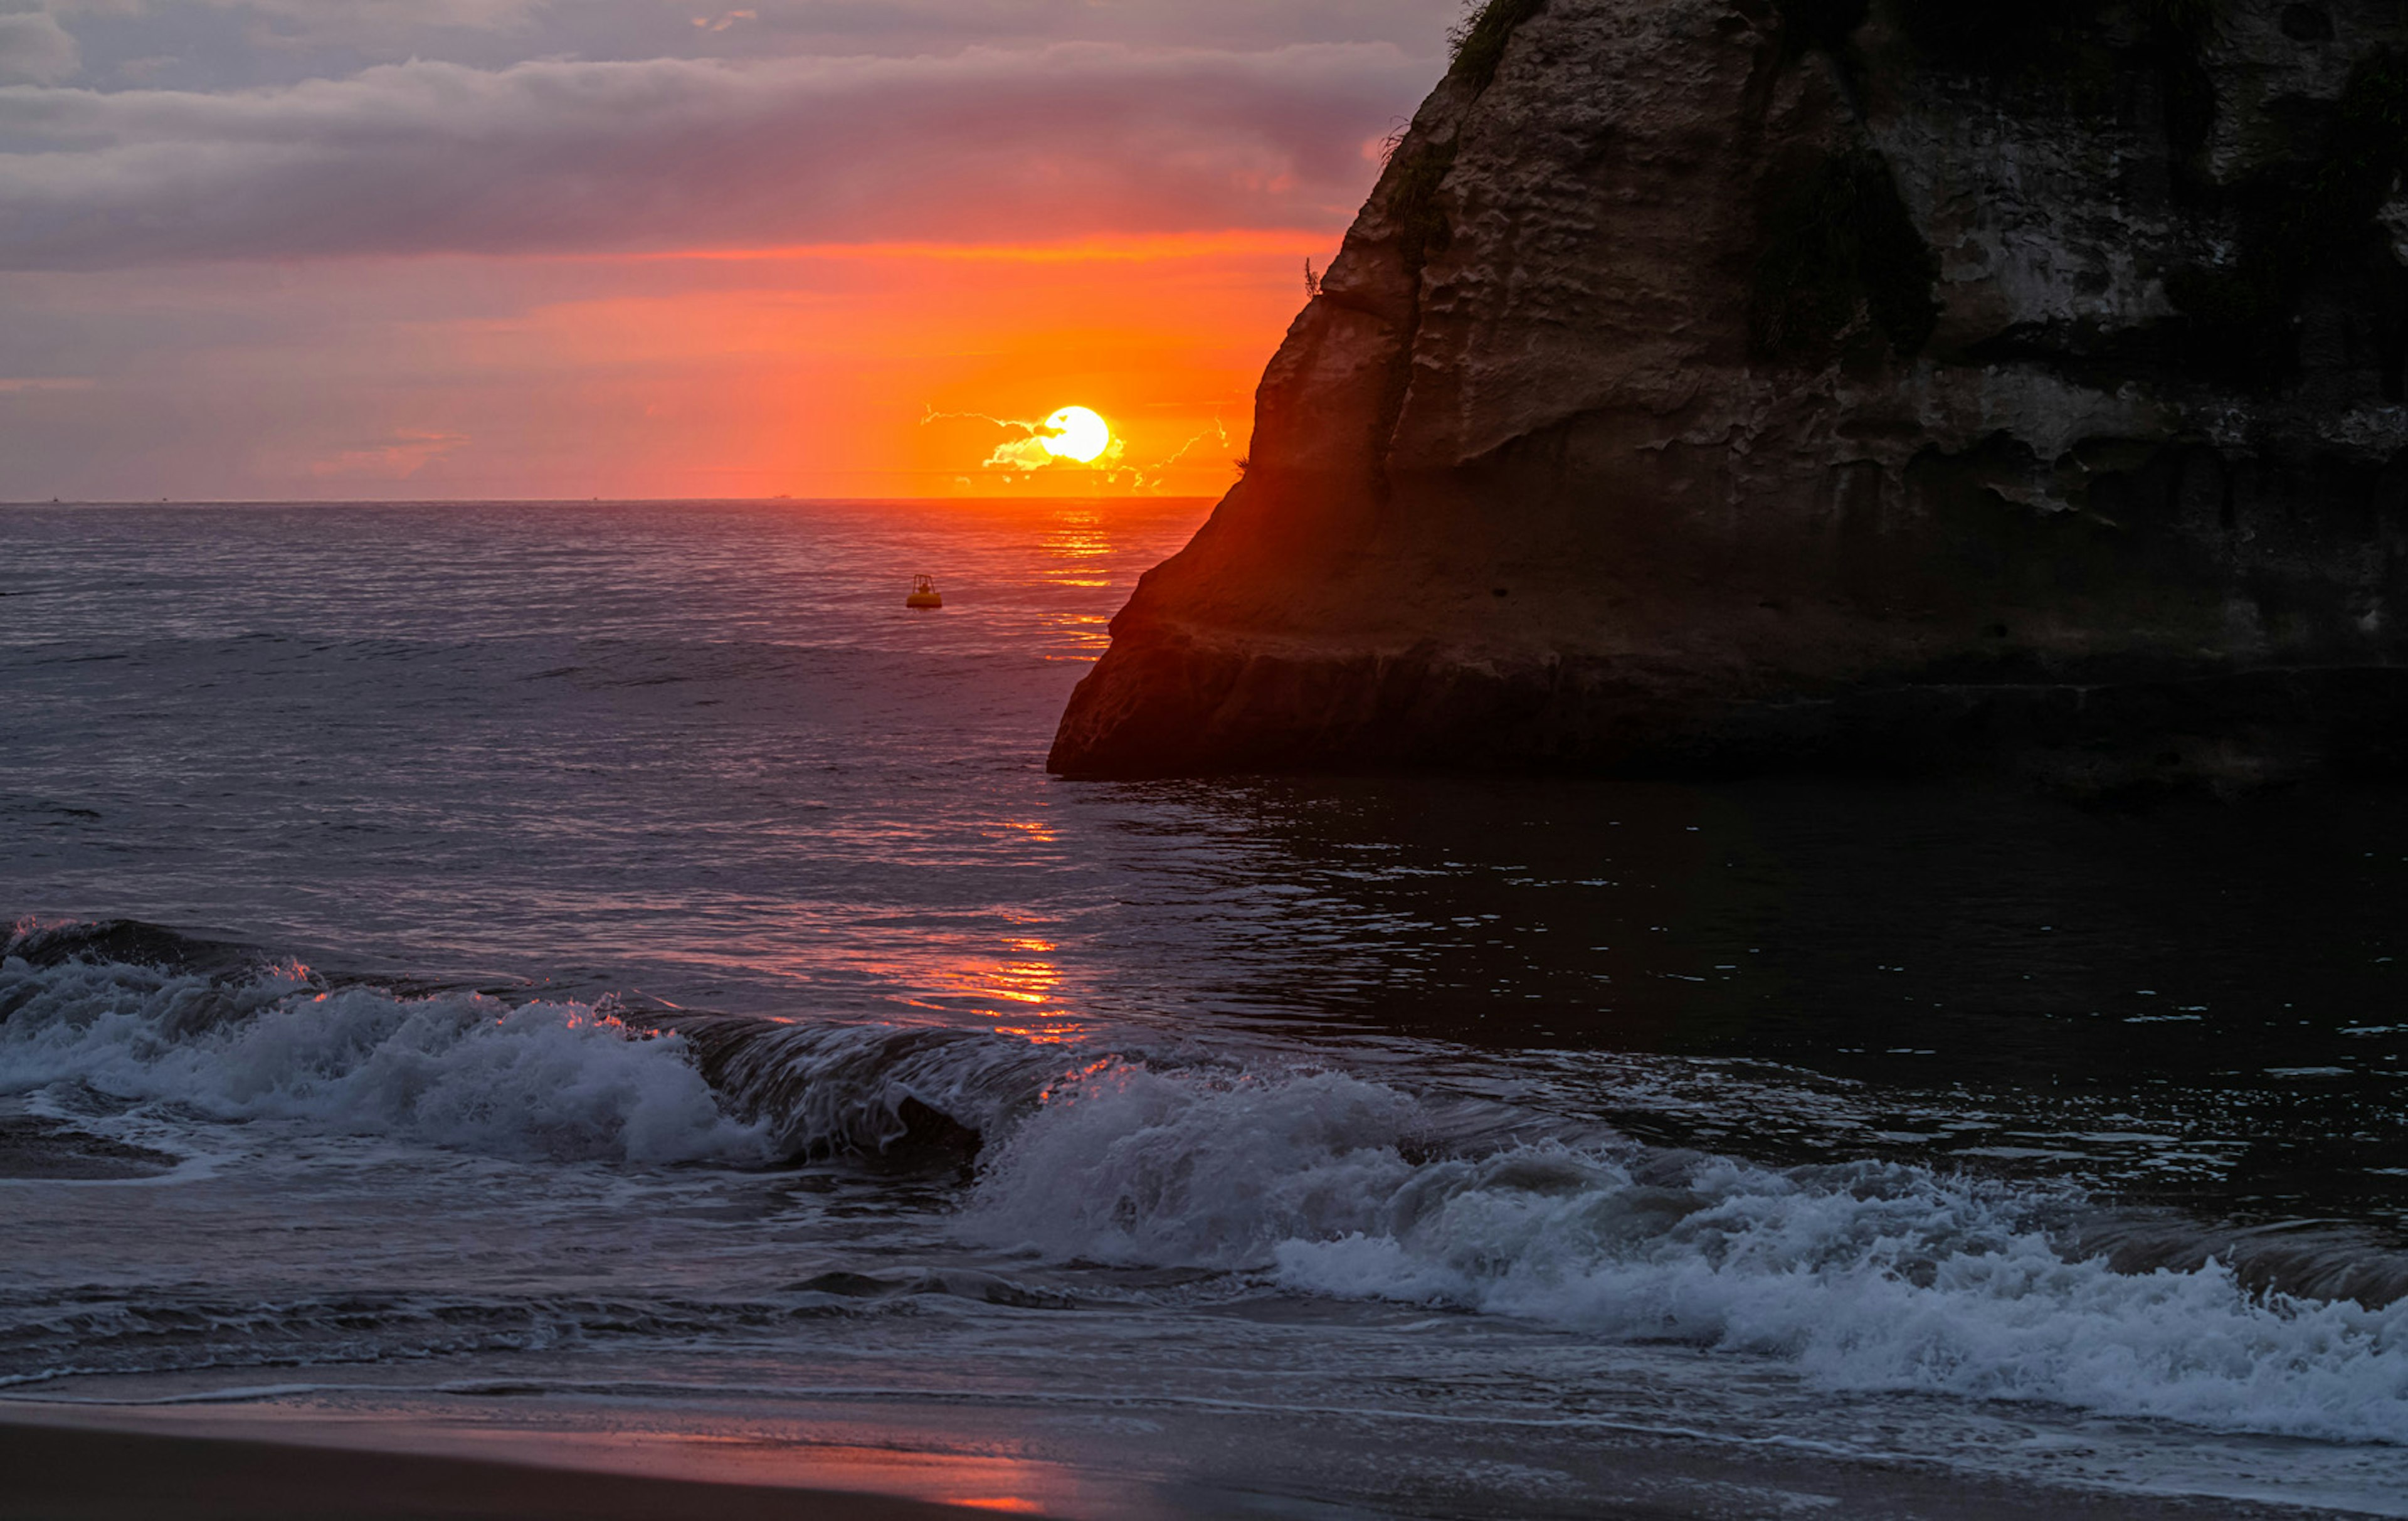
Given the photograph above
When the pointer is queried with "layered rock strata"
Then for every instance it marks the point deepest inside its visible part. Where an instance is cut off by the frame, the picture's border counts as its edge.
(1724, 383)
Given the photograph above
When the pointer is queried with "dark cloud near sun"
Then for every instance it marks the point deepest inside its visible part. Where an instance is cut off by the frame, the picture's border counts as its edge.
(553, 156)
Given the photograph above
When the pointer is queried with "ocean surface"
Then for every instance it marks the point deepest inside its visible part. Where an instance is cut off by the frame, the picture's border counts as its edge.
(611, 967)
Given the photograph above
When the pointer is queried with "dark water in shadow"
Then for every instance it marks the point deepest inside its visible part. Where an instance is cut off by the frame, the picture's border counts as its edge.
(2221, 976)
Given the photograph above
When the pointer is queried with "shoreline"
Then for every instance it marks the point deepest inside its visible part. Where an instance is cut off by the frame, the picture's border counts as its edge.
(78, 1471)
(921, 1461)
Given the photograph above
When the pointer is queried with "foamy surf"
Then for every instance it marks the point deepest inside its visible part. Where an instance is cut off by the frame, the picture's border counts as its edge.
(1866, 1277)
(458, 1069)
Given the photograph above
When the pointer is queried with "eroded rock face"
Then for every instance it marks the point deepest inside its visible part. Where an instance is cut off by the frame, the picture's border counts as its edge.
(1723, 384)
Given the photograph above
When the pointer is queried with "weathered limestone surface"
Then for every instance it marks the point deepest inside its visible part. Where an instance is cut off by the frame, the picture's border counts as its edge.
(1730, 383)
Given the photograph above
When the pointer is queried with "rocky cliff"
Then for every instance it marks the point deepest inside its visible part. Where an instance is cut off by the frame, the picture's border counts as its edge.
(1714, 383)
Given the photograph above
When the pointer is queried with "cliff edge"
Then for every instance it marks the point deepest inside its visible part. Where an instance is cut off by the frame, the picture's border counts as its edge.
(1715, 384)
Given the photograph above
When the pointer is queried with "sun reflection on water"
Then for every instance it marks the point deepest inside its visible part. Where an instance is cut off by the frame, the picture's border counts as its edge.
(1080, 540)
(1022, 989)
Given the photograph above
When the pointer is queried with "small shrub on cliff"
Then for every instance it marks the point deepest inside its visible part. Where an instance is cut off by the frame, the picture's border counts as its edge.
(1840, 248)
(1478, 41)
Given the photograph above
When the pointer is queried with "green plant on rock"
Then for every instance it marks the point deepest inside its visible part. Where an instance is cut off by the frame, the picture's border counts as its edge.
(1477, 42)
(1841, 254)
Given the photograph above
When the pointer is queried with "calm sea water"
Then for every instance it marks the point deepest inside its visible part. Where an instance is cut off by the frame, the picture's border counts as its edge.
(617, 954)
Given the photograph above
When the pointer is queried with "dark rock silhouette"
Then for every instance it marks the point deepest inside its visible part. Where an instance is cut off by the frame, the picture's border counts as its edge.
(1716, 384)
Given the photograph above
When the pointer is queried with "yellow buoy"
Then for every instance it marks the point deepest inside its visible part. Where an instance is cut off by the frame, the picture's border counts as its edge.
(924, 594)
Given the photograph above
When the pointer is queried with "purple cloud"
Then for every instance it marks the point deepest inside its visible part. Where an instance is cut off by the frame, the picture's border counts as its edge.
(553, 156)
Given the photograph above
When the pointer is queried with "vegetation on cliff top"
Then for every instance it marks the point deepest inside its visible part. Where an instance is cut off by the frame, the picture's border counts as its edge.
(1478, 41)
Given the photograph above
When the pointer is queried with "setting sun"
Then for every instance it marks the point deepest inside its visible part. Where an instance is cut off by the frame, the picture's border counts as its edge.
(1075, 433)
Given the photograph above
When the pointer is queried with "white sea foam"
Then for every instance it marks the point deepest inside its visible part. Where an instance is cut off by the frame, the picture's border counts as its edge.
(457, 1070)
(1869, 1276)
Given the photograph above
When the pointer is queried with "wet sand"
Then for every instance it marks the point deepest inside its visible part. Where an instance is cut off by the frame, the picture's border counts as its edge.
(69, 1474)
(252, 1462)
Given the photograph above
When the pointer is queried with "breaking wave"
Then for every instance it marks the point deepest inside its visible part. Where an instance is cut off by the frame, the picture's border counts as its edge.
(561, 1080)
(1871, 1276)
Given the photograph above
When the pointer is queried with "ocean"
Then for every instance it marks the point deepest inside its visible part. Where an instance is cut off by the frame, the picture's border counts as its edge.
(606, 979)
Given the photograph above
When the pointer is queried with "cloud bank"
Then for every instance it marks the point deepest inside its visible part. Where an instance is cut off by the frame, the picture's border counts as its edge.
(33, 46)
(567, 157)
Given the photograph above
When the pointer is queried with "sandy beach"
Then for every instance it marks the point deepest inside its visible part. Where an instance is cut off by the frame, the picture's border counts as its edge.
(280, 1458)
(59, 1472)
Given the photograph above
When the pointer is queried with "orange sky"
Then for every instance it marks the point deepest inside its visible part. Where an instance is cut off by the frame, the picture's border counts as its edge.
(886, 370)
(537, 252)
(723, 373)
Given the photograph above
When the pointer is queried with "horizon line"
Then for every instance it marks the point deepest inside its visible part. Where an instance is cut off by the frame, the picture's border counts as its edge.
(568, 501)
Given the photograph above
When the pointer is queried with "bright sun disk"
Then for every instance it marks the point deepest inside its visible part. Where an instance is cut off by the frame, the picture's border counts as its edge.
(1075, 433)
